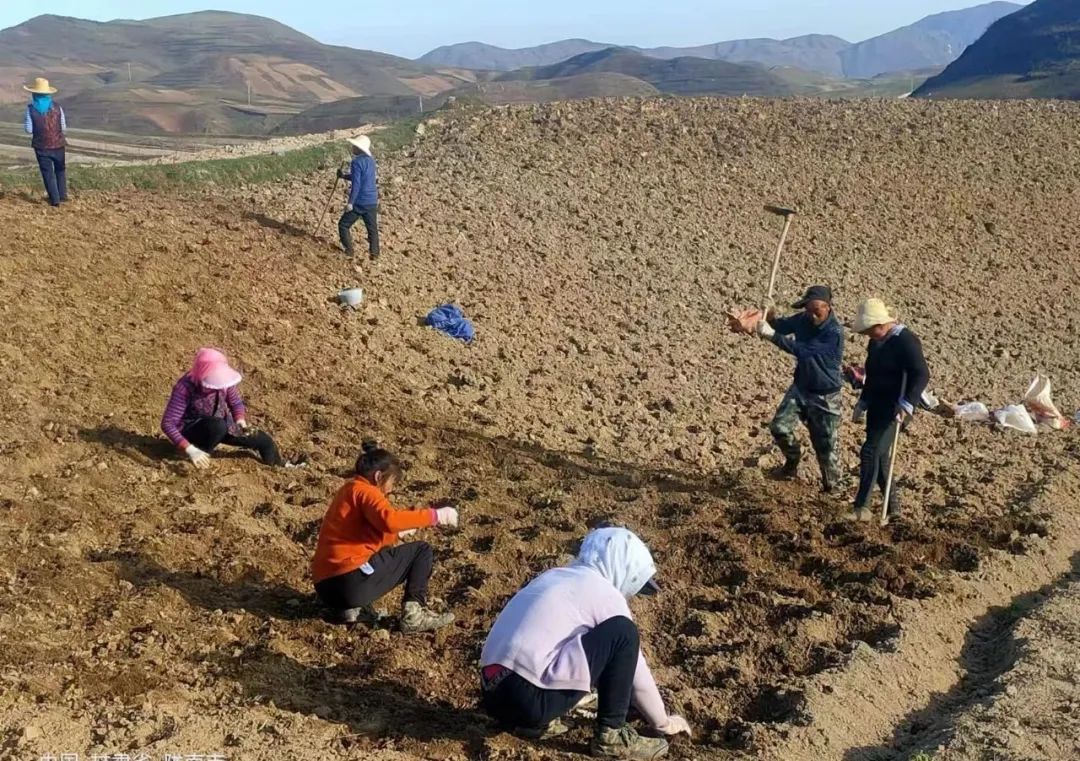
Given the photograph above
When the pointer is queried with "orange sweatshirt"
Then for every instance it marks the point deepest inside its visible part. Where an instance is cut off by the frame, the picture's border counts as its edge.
(359, 523)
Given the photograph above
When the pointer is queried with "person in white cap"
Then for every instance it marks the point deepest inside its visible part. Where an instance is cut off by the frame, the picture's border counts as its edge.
(892, 384)
(363, 197)
(46, 124)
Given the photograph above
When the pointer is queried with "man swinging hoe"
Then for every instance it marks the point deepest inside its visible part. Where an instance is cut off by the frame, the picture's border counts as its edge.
(816, 339)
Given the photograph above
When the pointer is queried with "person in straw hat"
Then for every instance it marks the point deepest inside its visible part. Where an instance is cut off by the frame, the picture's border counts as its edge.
(892, 384)
(205, 410)
(46, 124)
(363, 200)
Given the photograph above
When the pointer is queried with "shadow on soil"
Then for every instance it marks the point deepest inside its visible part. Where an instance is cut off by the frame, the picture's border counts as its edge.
(142, 448)
(373, 709)
(990, 650)
(136, 446)
(619, 474)
(284, 228)
(253, 594)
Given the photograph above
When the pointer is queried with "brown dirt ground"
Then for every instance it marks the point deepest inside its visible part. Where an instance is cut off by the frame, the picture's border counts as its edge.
(147, 607)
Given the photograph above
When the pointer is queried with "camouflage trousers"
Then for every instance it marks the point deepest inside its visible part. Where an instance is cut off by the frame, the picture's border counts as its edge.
(821, 415)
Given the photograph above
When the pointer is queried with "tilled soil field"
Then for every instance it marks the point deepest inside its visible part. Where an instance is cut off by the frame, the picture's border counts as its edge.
(145, 607)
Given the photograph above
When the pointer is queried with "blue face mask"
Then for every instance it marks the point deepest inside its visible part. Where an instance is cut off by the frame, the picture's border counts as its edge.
(42, 103)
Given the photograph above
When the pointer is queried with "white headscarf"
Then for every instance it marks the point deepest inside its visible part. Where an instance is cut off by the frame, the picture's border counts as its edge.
(619, 556)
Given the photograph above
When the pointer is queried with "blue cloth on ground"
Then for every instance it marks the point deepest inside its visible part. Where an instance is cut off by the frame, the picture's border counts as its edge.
(450, 320)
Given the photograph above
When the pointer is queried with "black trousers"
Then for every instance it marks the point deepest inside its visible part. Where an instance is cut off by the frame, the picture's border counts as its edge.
(209, 432)
(409, 563)
(53, 166)
(370, 215)
(612, 649)
(874, 460)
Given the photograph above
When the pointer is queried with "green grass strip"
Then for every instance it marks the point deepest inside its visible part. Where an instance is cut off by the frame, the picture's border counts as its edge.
(244, 170)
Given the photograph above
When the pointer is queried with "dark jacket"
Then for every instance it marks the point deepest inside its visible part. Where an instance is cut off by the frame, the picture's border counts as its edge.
(48, 129)
(363, 174)
(819, 350)
(886, 364)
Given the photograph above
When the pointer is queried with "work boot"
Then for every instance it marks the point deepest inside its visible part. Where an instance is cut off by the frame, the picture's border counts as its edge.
(553, 729)
(789, 471)
(587, 705)
(363, 615)
(893, 513)
(627, 744)
(832, 482)
(416, 618)
(861, 515)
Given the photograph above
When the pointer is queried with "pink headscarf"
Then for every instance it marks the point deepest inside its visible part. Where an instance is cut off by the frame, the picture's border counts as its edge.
(211, 370)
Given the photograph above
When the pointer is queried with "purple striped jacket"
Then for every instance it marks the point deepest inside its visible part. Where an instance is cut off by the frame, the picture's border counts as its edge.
(190, 402)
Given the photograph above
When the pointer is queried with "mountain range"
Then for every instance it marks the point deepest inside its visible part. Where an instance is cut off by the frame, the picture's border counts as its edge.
(933, 42)
(198, 72)
(1034, 53)
(676, 76)
(225, 73)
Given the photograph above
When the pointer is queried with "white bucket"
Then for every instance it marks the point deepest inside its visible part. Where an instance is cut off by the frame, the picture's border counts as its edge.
(351, 297)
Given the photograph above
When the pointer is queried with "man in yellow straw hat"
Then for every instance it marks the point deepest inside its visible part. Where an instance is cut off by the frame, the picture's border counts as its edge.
(46, 124)
(892, 384)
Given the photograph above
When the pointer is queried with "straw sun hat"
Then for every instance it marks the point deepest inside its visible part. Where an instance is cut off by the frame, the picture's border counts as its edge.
(871, 313)
(363, 142)
(41, 86)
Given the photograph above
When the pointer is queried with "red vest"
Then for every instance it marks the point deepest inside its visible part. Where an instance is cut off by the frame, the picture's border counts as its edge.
(47, 133)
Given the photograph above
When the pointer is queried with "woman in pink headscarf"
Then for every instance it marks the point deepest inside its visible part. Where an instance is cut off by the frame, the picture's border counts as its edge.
(206, 410)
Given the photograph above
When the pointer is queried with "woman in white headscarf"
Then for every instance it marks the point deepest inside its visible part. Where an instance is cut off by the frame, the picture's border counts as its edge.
(571, 631)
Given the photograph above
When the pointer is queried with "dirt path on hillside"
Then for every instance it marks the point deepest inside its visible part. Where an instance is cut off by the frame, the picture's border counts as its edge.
(953, 676)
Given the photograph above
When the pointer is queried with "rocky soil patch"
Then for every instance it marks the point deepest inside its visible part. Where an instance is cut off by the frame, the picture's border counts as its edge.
(145, 607)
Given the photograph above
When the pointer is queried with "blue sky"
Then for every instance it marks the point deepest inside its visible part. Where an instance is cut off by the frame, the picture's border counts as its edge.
(414, 27)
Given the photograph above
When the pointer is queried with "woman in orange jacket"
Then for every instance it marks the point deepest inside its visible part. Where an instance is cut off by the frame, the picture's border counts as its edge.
(358, 558)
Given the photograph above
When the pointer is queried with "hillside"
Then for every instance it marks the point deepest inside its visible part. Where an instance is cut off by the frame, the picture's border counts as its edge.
(932, 42)
(482, 57)
(678, 76)
(1034, 53)
(352, 112)
(150, 607)
(812, 52)
(196, 68)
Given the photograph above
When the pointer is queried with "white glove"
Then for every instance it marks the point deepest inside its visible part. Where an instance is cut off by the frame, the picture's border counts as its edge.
(676, 725)
(348, 208)
(243, 424)
(446, 516)
(859, 415)
(407, 533)
(199, 458)
(765, 330)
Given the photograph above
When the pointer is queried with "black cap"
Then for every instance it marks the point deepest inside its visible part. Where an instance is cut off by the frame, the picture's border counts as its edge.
(650, 588)
(814, 293)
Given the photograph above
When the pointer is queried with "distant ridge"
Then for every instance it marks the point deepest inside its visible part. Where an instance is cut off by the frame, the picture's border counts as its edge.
(932, 42)
(1033, 53)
